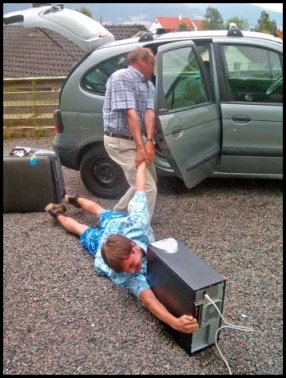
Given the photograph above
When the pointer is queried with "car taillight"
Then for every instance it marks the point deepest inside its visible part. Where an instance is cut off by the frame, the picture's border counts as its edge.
(59, 127)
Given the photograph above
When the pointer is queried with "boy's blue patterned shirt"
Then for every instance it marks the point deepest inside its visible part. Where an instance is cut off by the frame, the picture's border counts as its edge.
(135, 226)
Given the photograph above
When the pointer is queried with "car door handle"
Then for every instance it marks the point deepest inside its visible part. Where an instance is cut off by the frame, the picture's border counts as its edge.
(241, 118)
(177, 131)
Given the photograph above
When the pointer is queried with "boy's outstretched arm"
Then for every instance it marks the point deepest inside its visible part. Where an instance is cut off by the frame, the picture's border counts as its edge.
(141, 177)
(185, 323)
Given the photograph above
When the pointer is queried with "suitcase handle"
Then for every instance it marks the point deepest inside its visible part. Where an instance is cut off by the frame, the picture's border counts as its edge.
(19, 152)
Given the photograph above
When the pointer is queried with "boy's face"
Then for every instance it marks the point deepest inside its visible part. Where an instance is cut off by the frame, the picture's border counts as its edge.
(134, 262)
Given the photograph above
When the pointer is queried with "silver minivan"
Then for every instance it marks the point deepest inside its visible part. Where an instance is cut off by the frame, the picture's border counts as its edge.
(219, 96)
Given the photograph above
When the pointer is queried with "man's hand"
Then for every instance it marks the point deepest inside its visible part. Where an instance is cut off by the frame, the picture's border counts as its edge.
(186, 324)
(150, 150)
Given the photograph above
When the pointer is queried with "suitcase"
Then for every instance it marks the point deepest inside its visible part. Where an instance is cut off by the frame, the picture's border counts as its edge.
(32, 179)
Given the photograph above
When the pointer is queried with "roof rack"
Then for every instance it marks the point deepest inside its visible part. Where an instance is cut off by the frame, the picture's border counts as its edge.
(233, 30)
(54, 7)
(159, 31)
(147, 36)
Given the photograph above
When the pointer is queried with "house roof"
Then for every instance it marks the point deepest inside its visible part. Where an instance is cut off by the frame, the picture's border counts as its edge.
(280, 34)
(35, 52)
(173, 23)
(30, 52)
(126, 31)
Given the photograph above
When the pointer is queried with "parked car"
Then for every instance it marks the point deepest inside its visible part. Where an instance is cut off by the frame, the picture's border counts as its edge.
(219, 96)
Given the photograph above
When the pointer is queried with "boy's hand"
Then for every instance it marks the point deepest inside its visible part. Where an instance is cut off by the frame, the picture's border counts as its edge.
(186, 324)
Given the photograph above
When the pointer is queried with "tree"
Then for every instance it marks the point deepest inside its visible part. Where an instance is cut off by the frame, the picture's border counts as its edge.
(183, 26)
(213, 20)
(85, 11)
(241, 23)
(265, 25)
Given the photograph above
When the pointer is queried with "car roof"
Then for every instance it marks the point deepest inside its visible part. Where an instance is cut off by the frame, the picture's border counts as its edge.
(89, 34)
(221, 33)
(224, 35)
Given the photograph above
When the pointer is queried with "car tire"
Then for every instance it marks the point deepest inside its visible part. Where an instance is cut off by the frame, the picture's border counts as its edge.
(101, 175)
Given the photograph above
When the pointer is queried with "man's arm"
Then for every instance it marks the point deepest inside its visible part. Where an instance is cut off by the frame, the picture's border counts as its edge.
(134, 127)
(150, 123)
(150, 126)
(185, 323)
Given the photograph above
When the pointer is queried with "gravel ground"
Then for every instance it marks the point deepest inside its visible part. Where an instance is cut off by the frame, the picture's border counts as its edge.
(61, 318)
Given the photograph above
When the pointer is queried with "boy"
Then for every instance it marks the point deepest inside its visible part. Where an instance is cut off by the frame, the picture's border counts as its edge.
(119, 247)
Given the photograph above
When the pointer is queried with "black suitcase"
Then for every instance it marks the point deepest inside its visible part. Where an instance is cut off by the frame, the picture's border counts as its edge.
(32, 178)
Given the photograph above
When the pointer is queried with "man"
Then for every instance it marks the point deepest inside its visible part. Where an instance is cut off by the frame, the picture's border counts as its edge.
(129, 122)
(119, 247)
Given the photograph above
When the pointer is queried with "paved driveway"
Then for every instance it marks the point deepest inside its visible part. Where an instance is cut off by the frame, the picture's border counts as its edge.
(61, 318)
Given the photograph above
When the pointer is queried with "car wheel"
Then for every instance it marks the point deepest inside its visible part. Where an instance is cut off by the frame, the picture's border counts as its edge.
(101, 175)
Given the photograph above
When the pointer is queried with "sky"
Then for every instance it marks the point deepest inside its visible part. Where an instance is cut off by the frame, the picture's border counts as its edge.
(145, 13)
(276, 7)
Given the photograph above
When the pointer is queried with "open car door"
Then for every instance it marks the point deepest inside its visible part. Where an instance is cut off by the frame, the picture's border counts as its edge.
(188, 122)
(73, 25)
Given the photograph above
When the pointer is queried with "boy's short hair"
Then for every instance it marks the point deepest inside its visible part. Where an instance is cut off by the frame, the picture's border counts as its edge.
(114, 250)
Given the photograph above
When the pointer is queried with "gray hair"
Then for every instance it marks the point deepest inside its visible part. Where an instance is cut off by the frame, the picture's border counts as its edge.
(138, 53)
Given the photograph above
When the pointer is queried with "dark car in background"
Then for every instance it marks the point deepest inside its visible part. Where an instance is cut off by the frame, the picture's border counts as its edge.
(219, 101)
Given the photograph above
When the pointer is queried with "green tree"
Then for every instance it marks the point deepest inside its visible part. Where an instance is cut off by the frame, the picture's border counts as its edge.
(241, 23)
(265, 25)
(85, 11)
(213, 20)
(182, 26)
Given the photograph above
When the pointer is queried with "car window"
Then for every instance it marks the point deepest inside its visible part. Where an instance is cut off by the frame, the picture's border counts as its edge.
(183, 84)
(95, 79)
(253, 74)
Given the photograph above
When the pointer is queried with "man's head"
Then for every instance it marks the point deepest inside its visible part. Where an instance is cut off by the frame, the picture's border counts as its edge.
(122, 254)
(143, 60)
